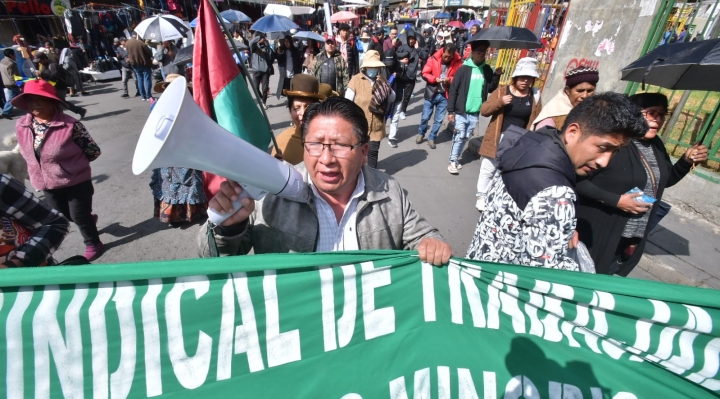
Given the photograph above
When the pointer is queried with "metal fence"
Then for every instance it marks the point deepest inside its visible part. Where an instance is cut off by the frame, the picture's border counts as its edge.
(545, 18)
(693, 114)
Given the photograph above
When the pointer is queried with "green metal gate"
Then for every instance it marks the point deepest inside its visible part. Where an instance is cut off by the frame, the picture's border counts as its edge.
(692, 113)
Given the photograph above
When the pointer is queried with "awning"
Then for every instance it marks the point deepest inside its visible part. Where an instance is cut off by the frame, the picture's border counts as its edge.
(287, 11)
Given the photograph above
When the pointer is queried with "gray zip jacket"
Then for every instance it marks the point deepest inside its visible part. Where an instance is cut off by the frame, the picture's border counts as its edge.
(261, 57)
(385, 220)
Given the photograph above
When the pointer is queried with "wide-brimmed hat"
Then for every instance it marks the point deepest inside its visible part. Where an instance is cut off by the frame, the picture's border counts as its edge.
(160, 87)
(365, 35)
(527, 66)
(372, 60)
(304, 86)
(327, 91)
(38, 56)
(36, 88)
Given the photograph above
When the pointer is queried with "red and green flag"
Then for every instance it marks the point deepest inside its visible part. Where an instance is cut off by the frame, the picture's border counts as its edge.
(220, 89)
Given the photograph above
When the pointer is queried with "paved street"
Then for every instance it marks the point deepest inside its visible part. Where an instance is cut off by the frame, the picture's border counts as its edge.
(683, 250)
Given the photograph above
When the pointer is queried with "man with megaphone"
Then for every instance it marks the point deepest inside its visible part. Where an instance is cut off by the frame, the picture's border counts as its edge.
(344, 205)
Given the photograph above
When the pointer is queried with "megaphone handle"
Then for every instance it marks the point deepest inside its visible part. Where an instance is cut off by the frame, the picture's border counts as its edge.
(248, 192)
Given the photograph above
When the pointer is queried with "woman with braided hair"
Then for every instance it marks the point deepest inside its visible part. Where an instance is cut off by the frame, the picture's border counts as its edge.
(580, 84)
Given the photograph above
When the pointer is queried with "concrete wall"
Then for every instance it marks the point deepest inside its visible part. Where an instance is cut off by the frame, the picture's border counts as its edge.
(606, 33)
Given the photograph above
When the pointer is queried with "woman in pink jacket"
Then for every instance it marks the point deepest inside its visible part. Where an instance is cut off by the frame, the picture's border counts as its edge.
(58, 151)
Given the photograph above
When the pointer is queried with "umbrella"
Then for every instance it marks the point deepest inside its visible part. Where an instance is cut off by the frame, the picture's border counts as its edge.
(679, 66)
(469, 24)
(194, 22)
(342, 16)
(273, 23)
(456, 24)
(442, 15)
(309, 35)
(508, 37)
(161, 28)
(235, 16)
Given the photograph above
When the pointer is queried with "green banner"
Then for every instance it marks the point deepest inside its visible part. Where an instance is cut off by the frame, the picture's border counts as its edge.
(353, 325)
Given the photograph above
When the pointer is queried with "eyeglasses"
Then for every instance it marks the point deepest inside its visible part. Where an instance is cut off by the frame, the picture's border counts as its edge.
(339, 150)
(329, 44)
(655, 114)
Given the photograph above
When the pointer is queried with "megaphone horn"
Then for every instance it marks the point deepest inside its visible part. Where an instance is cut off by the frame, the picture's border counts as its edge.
(179, 134)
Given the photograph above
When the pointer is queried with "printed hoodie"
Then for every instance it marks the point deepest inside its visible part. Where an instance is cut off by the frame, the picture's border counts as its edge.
(475, 93)
(529, 215)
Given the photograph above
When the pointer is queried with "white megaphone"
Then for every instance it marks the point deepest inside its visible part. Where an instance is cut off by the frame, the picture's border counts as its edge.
(179, 134)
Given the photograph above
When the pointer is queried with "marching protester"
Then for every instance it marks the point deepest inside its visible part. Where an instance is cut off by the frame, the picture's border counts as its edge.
(470, 87)
(51, 52)
(141, 59)
(177, 192)
(330, 67)
(22, 212)
(126, 69)
(304, 91)
(345, 201)
(612, 222)
(406, 68)
(517, 104)
(309, 53)
(376, 43)
(261, 64)
(466, 48)
(289, 61)
(58, 151)
(346, 46)
(579, 84)
(529, 216)
(8, 71)
(438, 73)
(392, 41)
(372, 92)
(55, 73)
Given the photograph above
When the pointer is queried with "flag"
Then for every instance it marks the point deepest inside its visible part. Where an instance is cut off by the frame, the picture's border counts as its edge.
(220, 89)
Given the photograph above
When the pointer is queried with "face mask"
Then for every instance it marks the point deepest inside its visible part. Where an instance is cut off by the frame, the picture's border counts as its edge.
(372, 73)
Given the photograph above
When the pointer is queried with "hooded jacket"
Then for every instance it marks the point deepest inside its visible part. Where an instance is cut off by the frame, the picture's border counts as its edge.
(410, 70)
(529, 216)
(460, 87)
(433, 69)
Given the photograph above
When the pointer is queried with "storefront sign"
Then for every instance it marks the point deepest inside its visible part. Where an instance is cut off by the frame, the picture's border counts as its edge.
(34, 7)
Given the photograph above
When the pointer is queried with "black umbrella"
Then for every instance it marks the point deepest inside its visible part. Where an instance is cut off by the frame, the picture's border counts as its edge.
(508, 37)
(679, 66)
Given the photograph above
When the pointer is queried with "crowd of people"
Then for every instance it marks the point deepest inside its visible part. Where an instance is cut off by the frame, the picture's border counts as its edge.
(584, 170)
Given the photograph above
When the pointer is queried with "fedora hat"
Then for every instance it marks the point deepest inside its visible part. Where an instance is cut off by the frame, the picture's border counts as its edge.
(327, 91)
(304, 86)
(372, 60)
(160, 87)
(36, 88)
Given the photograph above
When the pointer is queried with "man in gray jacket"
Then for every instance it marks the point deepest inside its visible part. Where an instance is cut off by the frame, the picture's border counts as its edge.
(261, 64)
(8, 70)
(345, 204)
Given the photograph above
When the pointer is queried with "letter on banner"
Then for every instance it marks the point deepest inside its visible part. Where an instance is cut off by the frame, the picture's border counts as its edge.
(284, 347)
(378, 322)
(246, 335)
(49, 339)
(346, 324)
(466, 275)
(421, 386)
(191, 371)
(13, 335)
(151, 338)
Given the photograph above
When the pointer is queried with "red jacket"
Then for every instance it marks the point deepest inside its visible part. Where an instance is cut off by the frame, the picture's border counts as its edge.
(433, 69)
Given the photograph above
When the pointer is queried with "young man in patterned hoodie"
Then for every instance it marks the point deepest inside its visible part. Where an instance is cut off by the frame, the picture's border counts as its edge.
(529, 217)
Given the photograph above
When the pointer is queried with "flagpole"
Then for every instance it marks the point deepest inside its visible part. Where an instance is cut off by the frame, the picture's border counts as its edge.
(245, 72)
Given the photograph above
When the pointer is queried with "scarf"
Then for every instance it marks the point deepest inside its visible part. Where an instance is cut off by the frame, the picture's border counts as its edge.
(558, 106)
(380, 93)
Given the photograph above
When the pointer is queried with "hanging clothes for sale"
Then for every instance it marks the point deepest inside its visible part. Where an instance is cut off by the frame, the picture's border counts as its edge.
(75, 25)
(125, 18)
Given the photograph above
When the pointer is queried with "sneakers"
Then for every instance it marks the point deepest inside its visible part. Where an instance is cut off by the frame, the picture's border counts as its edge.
(144, 99)
(82, 113)
(125, 95)
(392, 143)
(402, 115)
(137, 94)
(419, 139)
(480, 203)
(431, 144)
(453, 168)
(93, 252)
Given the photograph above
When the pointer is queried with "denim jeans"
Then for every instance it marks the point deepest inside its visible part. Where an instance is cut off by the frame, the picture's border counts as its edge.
(464, 127)
(439, 103)
(144, 81)
(9, 95)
